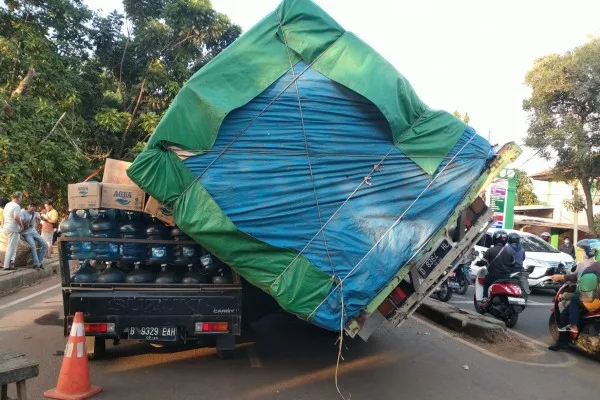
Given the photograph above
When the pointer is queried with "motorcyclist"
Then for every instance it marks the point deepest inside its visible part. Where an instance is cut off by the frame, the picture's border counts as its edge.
(514, 247)
(498, 260)
(588, 297)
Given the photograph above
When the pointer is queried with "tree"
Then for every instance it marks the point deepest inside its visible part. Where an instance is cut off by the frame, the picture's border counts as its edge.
(576, 203)
(597, 224)
(564, 111)
(466, 119)
(525, 194)
(75, 89)
(42, 48)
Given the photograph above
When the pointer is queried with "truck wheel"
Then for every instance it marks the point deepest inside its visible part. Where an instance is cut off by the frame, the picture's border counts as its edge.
(98, 350)
(225, 354)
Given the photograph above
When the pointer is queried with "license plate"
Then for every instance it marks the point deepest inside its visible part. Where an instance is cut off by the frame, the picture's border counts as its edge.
(154, 333)
(453, 285)
(434, 259)
(516, 300)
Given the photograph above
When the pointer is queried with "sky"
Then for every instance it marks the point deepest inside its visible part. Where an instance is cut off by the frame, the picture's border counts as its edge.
(465, 55)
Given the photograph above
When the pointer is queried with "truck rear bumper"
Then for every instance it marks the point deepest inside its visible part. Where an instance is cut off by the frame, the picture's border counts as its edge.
(183, 311)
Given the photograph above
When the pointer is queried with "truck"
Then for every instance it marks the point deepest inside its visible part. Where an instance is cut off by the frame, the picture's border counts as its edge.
(305, 162)
(211, 314)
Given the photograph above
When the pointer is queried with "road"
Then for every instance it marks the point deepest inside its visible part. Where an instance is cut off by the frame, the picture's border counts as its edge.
(533, 322)
(288, 359)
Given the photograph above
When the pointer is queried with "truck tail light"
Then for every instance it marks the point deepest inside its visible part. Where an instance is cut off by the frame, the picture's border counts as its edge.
(101, 327)
(211, 327)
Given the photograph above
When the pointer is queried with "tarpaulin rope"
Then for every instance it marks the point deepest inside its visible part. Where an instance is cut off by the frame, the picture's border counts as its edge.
(392, 226)
(365, 181)
(310, 170)
(235, 139)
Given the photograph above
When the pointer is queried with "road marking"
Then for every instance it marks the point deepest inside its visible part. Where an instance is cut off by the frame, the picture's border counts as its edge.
(253, 357)
(31, 296)
(565, 364)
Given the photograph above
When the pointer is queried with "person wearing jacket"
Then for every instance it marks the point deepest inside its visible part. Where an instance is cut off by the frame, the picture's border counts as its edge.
(567, 248)
(515, 248)
(587, 297)
(499, 261)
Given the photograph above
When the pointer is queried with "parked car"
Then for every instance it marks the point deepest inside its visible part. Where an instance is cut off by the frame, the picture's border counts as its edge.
(542, 260)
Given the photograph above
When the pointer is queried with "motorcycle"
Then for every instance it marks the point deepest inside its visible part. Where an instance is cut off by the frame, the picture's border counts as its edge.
(458, 280)
(588, 338)
(507, 297)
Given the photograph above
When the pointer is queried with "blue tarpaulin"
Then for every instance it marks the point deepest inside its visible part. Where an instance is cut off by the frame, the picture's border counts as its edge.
(280, 178)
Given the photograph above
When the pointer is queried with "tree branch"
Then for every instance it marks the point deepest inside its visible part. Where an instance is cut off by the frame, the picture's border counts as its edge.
(122, 146)
(24, 83)
(54, 127)
(123, 59)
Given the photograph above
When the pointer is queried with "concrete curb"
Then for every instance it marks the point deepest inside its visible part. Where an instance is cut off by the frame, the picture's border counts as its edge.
(468, 322)
(11, 281)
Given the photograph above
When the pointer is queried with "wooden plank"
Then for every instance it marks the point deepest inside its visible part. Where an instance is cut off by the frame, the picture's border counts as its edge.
(9, 355)
(21, 390)
(18, 369)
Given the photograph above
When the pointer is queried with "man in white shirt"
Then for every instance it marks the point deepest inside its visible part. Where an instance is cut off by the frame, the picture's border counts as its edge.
(31, 219)
(13, 227)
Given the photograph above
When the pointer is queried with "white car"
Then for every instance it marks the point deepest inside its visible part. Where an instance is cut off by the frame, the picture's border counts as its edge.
(541, 260)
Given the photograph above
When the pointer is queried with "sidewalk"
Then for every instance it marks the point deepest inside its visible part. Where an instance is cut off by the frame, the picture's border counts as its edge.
(13, 280)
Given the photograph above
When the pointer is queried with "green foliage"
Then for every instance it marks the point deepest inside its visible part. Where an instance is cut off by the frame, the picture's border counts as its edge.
(576, 203)
(564, 113)
(75, 88)
(525, 194)
(597, 224)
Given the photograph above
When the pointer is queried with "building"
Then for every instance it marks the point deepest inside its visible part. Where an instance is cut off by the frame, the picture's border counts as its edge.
(552, 216)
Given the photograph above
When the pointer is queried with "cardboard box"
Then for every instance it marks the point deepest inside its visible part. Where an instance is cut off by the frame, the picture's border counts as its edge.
(115, 171)
(161, 212)
(122, 197)
(85, 195)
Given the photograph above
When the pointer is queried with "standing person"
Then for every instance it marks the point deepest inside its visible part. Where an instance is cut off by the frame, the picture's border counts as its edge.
(49, 222)
(30, 234)
(13, 227)
(568, 248)
(3, 203)
(2, 234)
(545, 237)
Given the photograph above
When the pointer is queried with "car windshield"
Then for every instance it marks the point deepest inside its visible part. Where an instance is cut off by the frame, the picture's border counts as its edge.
(537, 245)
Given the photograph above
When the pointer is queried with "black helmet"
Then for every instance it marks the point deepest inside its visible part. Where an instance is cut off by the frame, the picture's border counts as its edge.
(499, 237)
(514, 237)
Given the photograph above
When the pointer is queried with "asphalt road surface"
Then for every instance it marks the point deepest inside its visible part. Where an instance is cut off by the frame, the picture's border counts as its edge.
(288, 359)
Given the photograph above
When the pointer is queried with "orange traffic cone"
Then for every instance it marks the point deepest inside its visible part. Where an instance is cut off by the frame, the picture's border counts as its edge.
(74, 378)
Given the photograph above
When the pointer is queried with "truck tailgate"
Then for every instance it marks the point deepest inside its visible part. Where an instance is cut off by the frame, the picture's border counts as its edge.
(128, 308)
